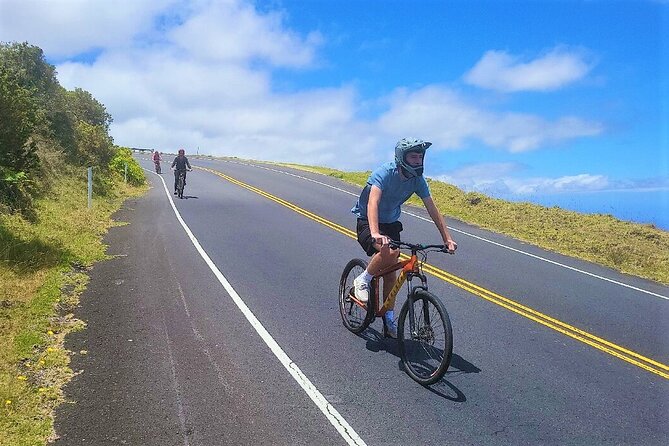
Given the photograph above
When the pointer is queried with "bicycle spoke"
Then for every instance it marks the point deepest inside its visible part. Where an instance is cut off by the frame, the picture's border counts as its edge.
(354, 314)
(425, 335)
(426, 350)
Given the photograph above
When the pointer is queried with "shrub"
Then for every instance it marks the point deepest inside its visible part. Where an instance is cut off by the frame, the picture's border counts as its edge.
(94, 145)
(123, 157)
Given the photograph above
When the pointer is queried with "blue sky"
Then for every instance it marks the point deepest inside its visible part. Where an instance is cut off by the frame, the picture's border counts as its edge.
(522, 99)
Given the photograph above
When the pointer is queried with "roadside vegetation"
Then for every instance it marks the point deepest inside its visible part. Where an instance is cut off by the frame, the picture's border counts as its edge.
(48, 235)
(633, 248)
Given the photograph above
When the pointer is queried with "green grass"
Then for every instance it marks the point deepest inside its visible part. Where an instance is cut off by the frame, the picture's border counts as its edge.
(42, 267)
(632, 248)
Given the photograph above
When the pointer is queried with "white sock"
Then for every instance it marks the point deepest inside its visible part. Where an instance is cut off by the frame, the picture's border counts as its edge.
(366, 276)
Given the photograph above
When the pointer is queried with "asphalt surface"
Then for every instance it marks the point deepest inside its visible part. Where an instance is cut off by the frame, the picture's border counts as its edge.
(172, 360)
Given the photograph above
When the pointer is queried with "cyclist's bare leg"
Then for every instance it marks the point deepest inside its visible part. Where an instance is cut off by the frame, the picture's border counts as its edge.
(384, 258)
(388, 282)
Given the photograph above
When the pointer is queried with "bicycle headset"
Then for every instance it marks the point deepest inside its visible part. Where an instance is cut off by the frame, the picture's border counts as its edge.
(404, 146)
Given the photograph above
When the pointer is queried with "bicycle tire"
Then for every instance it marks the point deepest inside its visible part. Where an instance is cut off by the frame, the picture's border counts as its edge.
(180, 187)
(355, 318)
(426, 353)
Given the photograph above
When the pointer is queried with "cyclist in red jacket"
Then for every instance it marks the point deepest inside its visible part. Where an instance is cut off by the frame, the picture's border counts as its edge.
(156, 160)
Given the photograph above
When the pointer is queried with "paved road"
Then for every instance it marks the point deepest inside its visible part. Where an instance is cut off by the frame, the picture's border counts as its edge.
(548, 349)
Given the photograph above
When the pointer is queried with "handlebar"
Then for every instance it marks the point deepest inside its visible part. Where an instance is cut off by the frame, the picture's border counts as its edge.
(418, 247)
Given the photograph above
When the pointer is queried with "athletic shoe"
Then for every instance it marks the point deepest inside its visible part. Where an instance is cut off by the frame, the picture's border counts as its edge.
(361, 289)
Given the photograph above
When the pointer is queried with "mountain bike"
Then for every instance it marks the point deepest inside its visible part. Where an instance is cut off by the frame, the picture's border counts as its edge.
(424, 329)
(157, 166)
(181, 183)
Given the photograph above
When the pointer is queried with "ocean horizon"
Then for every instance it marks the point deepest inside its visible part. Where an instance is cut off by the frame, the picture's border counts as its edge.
(639, 206)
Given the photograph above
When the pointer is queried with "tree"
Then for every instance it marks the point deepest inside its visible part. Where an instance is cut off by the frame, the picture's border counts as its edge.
(18, 111)
(86, 108)
(94, 145)
(25, 64)
(35, 110)
(18, 151)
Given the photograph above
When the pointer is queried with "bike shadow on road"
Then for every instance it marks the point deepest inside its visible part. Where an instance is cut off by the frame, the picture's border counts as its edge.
(186, 197)
(376, 342)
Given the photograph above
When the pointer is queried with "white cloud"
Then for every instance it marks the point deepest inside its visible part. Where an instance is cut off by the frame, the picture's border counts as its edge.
(574, 183)
(500, 71)
(234, 31)
(505, 180)
(69, 27)
(167, 101)
(451, 120)
(496, 179)
(177, 73)
(484, 177)
(191, 93)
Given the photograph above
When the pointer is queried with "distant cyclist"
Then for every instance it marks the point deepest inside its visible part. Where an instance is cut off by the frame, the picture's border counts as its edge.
(180, 164)
(156, 160)
(378, 210)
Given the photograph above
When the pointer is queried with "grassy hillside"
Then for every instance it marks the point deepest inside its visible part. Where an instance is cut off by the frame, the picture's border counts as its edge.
(49, 136)
(633, 248)
(42, 271)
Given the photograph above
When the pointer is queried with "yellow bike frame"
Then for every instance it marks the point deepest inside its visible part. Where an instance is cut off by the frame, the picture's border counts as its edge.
(407, 266)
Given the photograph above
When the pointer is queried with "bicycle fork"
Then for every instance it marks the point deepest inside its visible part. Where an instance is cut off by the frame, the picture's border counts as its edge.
(413, 329)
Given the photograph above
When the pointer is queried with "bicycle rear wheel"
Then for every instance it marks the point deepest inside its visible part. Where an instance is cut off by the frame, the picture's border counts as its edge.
(356, 317)
(427, 344)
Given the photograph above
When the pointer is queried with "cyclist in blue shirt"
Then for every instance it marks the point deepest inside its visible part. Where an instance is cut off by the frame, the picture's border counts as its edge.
(378, 210)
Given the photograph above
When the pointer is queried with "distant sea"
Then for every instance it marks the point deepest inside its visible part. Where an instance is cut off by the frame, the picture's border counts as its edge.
(651, 207)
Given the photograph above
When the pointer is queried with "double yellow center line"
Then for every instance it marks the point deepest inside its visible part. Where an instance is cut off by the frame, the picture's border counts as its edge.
(601, 344)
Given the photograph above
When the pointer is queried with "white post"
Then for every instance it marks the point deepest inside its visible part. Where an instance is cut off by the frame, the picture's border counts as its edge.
(125, 173)
(90, 187)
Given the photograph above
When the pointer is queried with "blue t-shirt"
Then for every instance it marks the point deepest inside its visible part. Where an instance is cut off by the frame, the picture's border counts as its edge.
(394, 192)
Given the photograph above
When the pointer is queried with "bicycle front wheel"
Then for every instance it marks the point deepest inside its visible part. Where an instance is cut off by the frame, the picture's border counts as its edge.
(355, 316)
(180, 188)
(425, 337)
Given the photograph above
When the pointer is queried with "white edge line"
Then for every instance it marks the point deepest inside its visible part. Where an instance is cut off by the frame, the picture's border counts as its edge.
(472, 235)
(345, 430)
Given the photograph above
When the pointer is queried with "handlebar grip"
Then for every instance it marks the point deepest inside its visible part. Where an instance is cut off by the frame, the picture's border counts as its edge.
(392, 244)
(448, 251)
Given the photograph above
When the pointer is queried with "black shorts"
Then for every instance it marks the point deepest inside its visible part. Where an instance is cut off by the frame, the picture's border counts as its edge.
(391, 230)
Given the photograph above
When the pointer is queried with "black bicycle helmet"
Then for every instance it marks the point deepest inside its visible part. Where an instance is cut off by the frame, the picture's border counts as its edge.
(404, 146)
